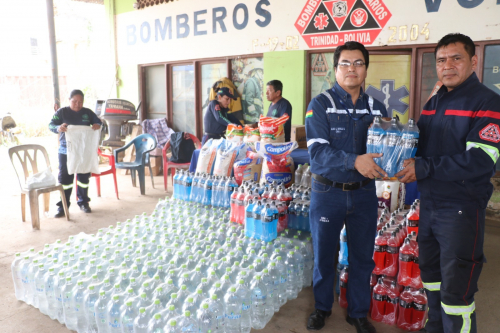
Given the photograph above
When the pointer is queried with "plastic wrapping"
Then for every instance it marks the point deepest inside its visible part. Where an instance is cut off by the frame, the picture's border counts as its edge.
(227, 154)
(44, 178)
(208, 152)
(272, 129)
(396, 141)
(234, 133)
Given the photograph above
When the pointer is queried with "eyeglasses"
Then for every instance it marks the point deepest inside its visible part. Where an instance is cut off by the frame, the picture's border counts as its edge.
(347, 64)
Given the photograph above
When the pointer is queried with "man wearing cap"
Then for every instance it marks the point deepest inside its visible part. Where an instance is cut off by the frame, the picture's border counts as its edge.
(217, 117)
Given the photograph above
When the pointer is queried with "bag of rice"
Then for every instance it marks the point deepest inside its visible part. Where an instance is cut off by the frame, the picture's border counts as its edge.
(234, 133)
(206, 159)
(278, 164)
(227, 153)
(272, 129)
(248, 168)
(252, 134)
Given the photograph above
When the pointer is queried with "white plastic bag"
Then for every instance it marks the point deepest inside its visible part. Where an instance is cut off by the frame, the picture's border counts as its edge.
(82, 143)
(41, 179)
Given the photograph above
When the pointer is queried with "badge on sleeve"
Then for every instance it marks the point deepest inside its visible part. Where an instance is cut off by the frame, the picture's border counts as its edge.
(217, 107)
(490, 133)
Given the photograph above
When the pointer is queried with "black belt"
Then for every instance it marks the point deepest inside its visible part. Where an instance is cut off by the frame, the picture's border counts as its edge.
(343, 186)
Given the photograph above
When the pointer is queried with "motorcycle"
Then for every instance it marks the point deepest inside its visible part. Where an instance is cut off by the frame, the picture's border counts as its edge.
(8, 136)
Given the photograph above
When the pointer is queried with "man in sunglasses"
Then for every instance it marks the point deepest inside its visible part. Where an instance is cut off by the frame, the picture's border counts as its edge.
(343, 189)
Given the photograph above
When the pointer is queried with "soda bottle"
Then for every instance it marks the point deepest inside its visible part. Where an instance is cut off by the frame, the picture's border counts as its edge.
(375, 139)
(194, 187)
(257, 219)
(201, 188)
(231, 186)
(234, 206)
(380, 252)
(344, 276)
(392, 256)
(249, 220)
(413, 219)
(406, 256)
(292, 224)
(207, 192)
(188, 186)
(405, 309)
(409, 142)
(282, 217)
(391, 149)
(267, 217)
(305, 218)
(416, 280)
(343, 253)
(419, 311)
(379, 301)
(392, 304)
(215, 191)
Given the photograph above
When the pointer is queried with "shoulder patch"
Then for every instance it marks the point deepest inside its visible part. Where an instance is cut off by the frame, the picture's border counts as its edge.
(490, 133)
(217, 107)
(309, 113)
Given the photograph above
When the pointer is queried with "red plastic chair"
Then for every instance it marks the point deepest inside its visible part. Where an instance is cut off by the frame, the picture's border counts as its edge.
(111, 170)
(170, 165)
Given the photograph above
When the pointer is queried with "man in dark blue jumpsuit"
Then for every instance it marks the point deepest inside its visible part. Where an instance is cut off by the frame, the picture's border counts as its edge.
(217, 117)
(458, 149)
(343, 189)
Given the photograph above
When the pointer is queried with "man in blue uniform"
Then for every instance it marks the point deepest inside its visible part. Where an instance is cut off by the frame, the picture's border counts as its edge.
(217, 117)
(458, 149)
(74, 114)
(343, 189)
(279, 105)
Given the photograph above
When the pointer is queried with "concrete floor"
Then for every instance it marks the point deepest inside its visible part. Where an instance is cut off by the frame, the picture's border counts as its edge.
(16, 316)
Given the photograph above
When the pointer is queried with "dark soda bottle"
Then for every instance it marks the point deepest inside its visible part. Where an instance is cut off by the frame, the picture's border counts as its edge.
(380, 252)
(344, 276)
(392, 304)
(405, 309)
(379, 301)
(406, 256)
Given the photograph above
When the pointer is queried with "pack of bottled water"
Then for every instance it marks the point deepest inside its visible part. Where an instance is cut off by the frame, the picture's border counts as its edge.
(396, 141)
(184, 268)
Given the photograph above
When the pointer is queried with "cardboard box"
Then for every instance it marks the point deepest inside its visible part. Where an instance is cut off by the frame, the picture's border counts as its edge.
(155, 165)
(298, 134)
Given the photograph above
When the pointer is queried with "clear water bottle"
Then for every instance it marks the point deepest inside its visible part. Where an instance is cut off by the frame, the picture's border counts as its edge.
(232, 312)
(206, 319)
(128, 315)
(259, 302)
(101, 315)
(58, 286)
(16, 269)
(306, 177)
(140, 322)
(292, 276)
(79, 306)
(230, 186)
(89, 301)
(40, 289)
(67, 293)
(298, 174)
(283, 271)
(278, 289)
(50, 280)
(188, 324)
(171, 327)
(156, 324)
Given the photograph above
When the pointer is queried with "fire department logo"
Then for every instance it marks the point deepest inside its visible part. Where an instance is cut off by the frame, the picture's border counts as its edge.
(490, 133)
(329, 23)
(359, 17)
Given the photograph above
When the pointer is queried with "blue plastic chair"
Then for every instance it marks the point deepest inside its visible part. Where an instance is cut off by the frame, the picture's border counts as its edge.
(144, 143)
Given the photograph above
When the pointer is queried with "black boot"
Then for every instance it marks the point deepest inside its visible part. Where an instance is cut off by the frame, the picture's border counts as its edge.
(316, 320)
(362, 325)
(60, 213)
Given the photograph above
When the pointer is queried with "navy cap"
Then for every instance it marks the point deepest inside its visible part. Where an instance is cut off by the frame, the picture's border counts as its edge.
(225, 92)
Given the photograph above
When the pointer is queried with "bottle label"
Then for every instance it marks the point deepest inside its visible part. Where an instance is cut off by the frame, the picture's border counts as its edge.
(268, 218)
(392, 250)
(245, 307)
(413, 223)
(419, 307)
(249, 215)
(404, 304)
(233, 316)
(380, 298)
(416, 260)
(394, 300)
(405, 257)
(208, 188)
(275, 216)
(380, 248)
(343, 284)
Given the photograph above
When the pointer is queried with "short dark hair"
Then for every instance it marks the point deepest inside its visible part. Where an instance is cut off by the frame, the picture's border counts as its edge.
(457, 38)
(75, 92)
(351, 46)
(277, 85)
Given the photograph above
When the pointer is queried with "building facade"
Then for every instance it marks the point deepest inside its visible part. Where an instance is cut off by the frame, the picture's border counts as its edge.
(168, 54)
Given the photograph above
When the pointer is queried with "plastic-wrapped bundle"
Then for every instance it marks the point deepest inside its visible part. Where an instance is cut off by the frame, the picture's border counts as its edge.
(396, 141)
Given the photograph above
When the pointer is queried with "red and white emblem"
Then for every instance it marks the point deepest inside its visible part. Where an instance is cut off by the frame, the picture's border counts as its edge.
(359, 17)
(490, 133)
(321, 21)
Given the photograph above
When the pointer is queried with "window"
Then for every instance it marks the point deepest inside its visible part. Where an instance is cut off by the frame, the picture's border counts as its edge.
(322, 74)
(248, 78)
(429, 77)
(183, 99)
(210, 73)
(491, 69)
(156, 92)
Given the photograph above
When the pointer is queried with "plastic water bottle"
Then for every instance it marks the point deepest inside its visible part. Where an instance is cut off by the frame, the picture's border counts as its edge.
(391, 149)
(100, 308)
(201, 188)
(207, 193)
(69, 311)
(292, 274)
(272, 297)
(128, 315)
(245, 297)
(306, 177)
(232, 312)
(79, 307)
(50, 280)
(215, 192)
(298, 174)
(230, 187)
(306, 226)
(259, 298)
(188, 324)
(59, 285)
(194, 187)
(140, 322)
(206, 319)
(40, 289)
(16, 269)
(176, 192)
(409, 143)
(299, 260)
(343, 253)
(188, 186)
(268, 221)
(89, 301)
(375, 139)
(278, 289)
(156, 324)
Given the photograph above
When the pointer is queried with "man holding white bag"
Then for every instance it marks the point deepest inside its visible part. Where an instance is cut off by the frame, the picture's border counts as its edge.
(74, 114)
